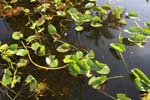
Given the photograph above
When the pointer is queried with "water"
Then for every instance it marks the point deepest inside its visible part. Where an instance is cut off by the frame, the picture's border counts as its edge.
(134, 56)
(64, 87)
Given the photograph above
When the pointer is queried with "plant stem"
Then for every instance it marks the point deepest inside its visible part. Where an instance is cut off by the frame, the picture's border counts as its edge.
(114, 77)
(108, 95)
(124, 62)
(39, 66)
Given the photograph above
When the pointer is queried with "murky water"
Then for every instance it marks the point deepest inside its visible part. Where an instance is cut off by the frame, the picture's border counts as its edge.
(64, 87)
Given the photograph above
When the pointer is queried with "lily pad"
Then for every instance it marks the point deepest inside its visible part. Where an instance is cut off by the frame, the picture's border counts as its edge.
(17, 35)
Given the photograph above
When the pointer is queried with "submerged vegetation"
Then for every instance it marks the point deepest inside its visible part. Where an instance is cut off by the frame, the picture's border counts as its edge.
(42, 38)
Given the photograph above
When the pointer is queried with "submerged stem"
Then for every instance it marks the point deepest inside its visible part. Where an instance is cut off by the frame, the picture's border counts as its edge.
(108, 95)
(39, 66)
(124, 62)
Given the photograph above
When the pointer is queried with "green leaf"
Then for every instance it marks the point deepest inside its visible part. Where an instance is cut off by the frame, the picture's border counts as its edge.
(52, 61)
(79, 54)
(148, 23)
(35, 46)
(137, 38)
(90, 54)
(7, 77)
(75, 67)
(4, 47)
(22, 63)
(118, 46)
(13, 47)
(96, 82)
(21, 52)
(16, 79)
(107, 6)
(42, 50)
(146, 31)
(17, 35)
(45, 6)
(89, 5)
(95, 25)
(67, 59)
(123, 22)
(79, 28)
(133, 30)
(132, 14)
(32, 83)
(122, 96)
(117, 12)
(31, 38)
(51, 29)
(63, 48)
(101, 68)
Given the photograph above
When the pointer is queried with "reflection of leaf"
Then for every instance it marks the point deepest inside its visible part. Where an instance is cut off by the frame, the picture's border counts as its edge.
(118, 46)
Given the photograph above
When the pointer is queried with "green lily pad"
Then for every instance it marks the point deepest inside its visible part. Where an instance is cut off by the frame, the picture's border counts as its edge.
(52, 61)
(137, 38)
(21, 52)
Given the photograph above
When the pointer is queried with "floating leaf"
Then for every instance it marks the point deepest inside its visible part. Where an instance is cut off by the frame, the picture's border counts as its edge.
(7, 77)
(4, 47)
(132, 14)
(15, 79)
(35, 46)
(89, 5)
(118, 46)
(51, 29)
(13, 47)
(32, 83)
(96, 82)
(31, 38)
(122, 96)
(107, 6)
(148, 23)
(21, 52)
(22, 63)
(137, 38)
(96, 25)
(133, 30)
(17, 35)
(90, 54)
(117, 12)
(42, 50)
(75, 67)
(146, 31)
(101, 68)
(79, 28)
(123, 22)
(63, 48)
(52, 61)
(67, 59)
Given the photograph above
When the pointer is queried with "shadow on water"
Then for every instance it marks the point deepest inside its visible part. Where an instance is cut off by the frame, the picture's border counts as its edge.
(62, 86)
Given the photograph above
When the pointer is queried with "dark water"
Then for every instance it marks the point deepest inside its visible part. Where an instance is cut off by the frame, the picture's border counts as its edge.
(65, 87)
(134, 56)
